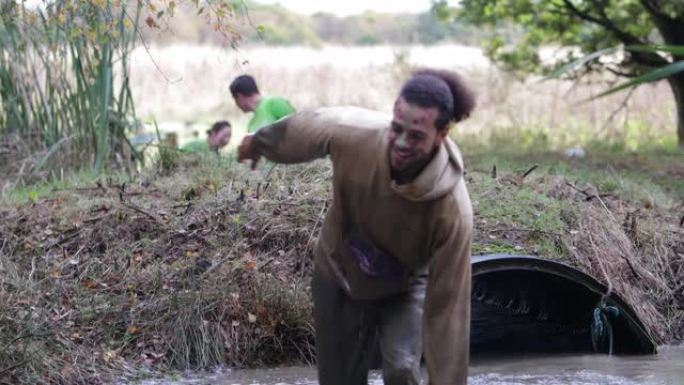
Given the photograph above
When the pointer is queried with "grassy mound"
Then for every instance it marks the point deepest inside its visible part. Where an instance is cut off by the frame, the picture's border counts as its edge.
(205, 263)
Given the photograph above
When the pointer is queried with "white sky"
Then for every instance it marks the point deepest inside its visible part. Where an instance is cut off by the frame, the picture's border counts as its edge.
(341, 7)
(349, 7)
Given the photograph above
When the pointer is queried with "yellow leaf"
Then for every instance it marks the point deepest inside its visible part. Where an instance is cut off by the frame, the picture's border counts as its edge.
(110, 354)
(90, 35)
(249, 265)
(89, 284)
(132, 329)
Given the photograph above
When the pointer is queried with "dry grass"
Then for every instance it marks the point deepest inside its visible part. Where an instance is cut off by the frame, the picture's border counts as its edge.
(637, 253)
(209, 264)
(635, 247)
(164, 272)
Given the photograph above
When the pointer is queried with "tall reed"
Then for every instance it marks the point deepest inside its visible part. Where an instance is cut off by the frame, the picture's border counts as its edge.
(58, 89)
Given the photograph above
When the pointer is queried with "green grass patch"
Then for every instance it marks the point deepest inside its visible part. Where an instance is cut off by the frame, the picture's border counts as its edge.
(207, 263)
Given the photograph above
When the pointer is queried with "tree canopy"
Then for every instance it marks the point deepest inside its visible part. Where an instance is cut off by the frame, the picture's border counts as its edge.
(586, 26)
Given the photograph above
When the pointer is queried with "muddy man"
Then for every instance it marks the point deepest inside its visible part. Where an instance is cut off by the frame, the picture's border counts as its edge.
(392, 263)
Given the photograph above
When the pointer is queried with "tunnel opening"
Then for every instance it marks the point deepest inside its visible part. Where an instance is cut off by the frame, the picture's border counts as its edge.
(522, 304)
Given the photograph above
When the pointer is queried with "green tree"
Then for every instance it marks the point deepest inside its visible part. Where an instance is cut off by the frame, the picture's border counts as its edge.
(588, 26)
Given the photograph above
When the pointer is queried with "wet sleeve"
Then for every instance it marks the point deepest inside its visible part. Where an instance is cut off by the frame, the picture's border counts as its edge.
(301, 137)
(447, 306)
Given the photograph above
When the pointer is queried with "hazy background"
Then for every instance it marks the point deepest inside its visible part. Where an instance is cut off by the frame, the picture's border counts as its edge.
(338, 53)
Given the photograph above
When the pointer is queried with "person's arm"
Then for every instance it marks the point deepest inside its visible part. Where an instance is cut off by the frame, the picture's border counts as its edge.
(301, 137)
(447, 306)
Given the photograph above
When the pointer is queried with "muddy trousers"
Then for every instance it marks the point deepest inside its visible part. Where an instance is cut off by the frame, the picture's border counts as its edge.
(348, 332)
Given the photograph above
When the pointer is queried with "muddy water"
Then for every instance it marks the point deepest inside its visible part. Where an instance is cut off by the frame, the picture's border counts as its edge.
(666, 368)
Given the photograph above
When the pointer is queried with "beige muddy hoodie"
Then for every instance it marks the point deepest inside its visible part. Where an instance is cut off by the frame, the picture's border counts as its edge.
(426, 224)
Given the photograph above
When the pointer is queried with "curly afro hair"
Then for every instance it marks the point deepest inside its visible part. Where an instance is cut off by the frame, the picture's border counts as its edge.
(444, 90)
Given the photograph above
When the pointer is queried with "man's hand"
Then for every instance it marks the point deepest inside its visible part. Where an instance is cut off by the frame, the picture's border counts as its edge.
(245, 151)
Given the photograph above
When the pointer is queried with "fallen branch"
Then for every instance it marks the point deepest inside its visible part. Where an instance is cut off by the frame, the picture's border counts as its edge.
(101, 187)
(578, 189)
(599, 196)
(591, 196)
(185, 206)
(95, 219)
(10, 368)
(61, 241)
(528, 172)
(518, 230)
(7, 345)
(631, 267)
(122, 190)
(141, 211)
(219, 263)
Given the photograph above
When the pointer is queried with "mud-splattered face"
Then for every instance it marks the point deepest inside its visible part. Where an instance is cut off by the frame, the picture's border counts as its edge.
(413, 137)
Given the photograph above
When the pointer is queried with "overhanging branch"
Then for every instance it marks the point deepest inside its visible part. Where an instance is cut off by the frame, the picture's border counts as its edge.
(603, 22)
(622, 73)
(671, 29)
(643, 58)
(654, 10)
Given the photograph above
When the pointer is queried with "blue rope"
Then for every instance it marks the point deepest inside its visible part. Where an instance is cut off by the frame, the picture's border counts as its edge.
(601, 326)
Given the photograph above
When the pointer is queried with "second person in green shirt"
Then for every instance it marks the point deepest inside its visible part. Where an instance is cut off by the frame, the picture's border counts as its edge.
(266, 109)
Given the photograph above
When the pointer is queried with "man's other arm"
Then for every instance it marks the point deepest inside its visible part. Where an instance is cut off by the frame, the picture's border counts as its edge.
(447, 305)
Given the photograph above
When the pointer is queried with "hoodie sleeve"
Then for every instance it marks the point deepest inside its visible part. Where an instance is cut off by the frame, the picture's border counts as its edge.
(298, 138)
(447, 305)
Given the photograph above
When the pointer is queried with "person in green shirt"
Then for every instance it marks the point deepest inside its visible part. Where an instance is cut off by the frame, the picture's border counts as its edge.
(266, 109)
(218, 137)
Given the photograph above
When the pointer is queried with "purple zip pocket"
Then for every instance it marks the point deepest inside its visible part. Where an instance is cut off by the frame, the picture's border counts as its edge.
(374, 262)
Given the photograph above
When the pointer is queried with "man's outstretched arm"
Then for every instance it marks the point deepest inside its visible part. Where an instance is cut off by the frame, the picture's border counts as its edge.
(298, 138)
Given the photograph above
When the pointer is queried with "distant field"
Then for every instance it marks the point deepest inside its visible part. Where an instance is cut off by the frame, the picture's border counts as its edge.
(185, 88)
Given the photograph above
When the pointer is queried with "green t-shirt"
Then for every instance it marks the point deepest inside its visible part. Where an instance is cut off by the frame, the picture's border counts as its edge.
(268, 111)
(196, 145)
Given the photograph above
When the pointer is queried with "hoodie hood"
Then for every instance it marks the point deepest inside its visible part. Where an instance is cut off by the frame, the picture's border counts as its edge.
(438, 178)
